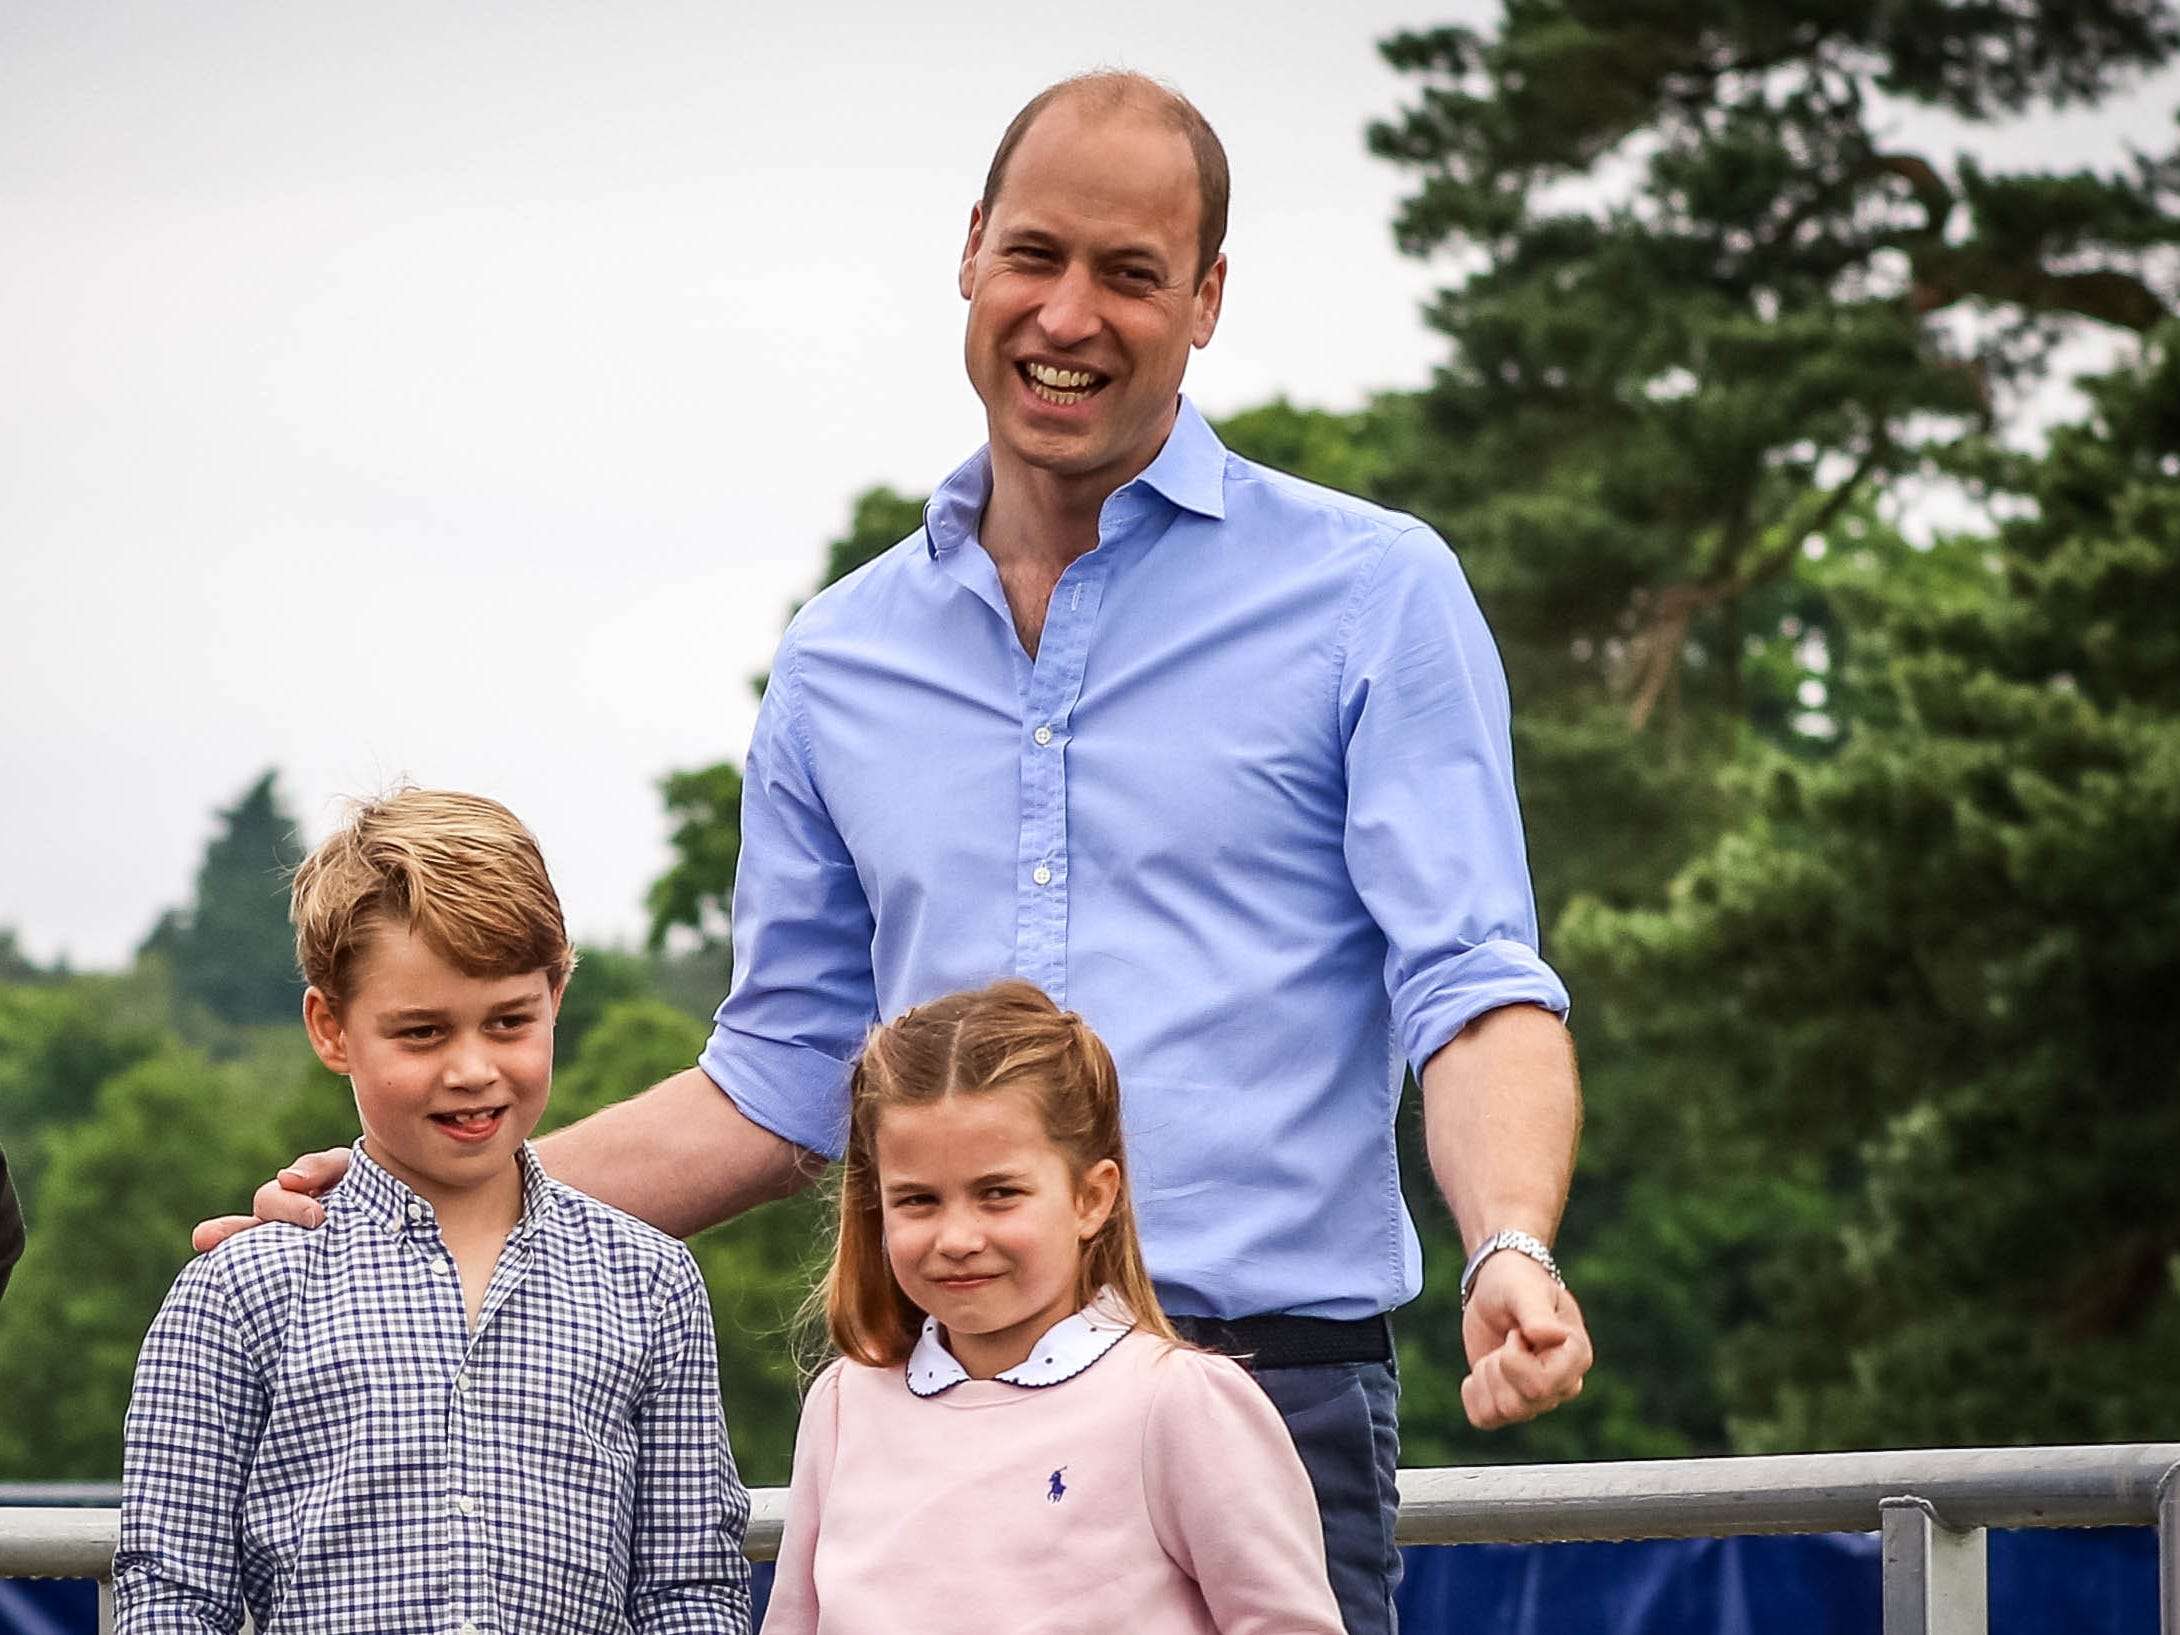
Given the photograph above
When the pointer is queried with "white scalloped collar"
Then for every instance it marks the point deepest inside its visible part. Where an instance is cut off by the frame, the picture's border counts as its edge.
(1066, 1349)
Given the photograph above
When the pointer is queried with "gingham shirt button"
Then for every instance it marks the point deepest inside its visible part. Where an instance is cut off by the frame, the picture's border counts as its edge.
(466, 1627)
(441, 1266)
(465, 1503)
(416, 1212)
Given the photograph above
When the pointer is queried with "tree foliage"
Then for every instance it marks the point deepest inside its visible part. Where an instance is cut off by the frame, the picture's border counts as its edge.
(1704, 321)
(232, 950)
(1930, 979)
(118, 1193)
(1704, 300)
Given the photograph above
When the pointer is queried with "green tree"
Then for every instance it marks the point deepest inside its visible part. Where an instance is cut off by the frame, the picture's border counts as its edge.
(758, 1267)
(58, 1043)
(603, 978)
(1707, 306)
(232, 951)
(696, 893)
(1703, 320)
(121, 1190)
(1928, 980)
(16, 965)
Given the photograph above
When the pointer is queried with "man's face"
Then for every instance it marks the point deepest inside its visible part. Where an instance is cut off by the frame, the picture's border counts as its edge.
(1083, 295)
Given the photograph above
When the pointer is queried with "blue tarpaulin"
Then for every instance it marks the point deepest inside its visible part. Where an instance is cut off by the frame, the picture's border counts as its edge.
(2102, 1581)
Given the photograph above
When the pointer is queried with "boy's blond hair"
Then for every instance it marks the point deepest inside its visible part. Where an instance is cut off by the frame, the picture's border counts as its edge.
(458, 870)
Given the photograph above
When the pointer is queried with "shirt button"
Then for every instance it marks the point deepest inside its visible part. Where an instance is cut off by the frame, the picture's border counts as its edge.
(1043, 875)
(466, 1503)
(461, 1379)
(1043, 735)
(466, 1627)
(416, 1212)
(440, 1266)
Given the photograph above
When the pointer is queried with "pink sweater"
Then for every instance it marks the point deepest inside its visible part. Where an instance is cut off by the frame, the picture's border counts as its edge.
(1156, 1492)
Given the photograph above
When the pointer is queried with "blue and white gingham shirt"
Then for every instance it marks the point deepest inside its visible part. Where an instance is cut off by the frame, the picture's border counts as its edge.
(317, 1433)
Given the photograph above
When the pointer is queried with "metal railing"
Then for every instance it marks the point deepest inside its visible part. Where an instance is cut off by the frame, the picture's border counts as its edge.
(1932, 1508)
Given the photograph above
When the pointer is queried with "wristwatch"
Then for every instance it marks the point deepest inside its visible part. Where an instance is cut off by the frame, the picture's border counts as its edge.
(1507, 1237)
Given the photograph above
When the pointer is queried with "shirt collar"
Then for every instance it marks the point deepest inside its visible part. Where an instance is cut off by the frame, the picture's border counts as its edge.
(376, 1195)
(1190, 470)
(1067, 1348)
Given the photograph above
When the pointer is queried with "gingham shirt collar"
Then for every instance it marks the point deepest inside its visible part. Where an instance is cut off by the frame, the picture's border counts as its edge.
(1065, 1350)
(370, 1193)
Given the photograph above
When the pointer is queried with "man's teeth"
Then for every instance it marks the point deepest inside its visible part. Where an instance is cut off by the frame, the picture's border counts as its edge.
(1059, 385)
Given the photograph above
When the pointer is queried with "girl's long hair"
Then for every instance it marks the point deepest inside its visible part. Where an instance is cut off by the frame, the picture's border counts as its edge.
(1008, 1036)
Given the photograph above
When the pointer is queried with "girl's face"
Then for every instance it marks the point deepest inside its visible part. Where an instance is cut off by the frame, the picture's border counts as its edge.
(984, 1223)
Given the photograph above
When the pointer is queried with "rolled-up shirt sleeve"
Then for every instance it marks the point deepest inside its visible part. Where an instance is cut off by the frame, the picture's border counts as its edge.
(1433, 834)
(803, 995)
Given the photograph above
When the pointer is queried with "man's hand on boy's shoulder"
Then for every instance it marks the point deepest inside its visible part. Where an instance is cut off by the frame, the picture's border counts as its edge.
(290, 1196)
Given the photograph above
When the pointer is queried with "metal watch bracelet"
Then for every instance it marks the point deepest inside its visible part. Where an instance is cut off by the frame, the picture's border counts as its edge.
(1507, 1237)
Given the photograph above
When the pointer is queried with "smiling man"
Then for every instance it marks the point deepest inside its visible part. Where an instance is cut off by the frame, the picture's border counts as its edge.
(1214, 756)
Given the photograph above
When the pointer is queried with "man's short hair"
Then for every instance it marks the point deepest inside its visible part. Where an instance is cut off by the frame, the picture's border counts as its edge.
(458, 870)
(1108, 91)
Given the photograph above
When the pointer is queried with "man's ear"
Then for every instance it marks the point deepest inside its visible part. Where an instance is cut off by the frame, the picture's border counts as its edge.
(973, 243)
(327, 1037)
(1210, 296)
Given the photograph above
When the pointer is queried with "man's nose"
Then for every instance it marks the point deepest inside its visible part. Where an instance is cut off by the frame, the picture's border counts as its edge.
(1069, 315)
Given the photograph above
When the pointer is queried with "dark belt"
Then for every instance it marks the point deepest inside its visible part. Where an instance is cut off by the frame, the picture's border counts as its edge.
(1277, 1340)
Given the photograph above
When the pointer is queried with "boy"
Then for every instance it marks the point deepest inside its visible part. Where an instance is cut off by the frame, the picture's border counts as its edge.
(476, 1402)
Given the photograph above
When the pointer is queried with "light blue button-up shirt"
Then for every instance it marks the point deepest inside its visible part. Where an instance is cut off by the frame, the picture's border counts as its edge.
(1250, 809)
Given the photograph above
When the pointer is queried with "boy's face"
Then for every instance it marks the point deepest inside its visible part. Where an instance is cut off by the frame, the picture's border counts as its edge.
(451, 1071)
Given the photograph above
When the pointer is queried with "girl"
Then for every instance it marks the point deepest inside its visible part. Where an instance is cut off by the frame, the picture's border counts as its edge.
(1014, 1438)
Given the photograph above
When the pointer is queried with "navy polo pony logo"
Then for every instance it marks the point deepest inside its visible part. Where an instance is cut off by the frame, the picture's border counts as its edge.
(1058, 1490)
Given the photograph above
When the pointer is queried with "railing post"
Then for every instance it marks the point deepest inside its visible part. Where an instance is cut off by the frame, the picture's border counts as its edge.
(2168, 1553)
(1936, 1578)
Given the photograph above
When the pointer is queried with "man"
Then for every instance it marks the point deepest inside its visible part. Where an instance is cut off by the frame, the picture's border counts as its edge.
(1215, 757)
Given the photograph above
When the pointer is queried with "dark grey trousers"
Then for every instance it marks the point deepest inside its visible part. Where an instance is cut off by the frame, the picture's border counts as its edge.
(1345, 1419)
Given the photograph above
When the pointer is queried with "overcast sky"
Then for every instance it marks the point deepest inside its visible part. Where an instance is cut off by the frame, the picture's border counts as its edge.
(462, 393)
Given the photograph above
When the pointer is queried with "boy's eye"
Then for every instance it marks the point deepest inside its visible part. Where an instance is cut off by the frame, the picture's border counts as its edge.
(423, 1030)
(515, 1020)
